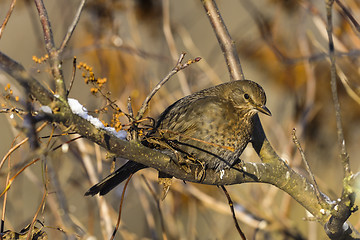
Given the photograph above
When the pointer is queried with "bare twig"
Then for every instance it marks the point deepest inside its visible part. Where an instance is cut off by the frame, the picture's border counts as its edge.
(54, 57)
(147, 209)
(11, 150)
(207, 69)
(13, 110)
(2, 28)
(340, 132)
(231, 205)
(45, 23)
(67, 142)
(171, 43)
(6, 194)
(157, 201)
(297, 143)
(120, 207)
(264, 27)
(337, 226)
(13, 178)
(179, 66)
(104, 215)
(348, 14)
(62, 201)
(130, 109)
(30, 233)
(72, 77)
(226, 43)
(72, 27)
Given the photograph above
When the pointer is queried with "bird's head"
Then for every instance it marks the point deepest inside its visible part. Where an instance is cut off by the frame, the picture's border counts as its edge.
(248, 95)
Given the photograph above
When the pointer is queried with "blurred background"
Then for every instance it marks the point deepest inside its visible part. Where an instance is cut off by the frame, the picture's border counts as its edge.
(134, 44)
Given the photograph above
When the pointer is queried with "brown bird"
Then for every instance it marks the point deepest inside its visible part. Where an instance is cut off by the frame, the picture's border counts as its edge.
(212, 126)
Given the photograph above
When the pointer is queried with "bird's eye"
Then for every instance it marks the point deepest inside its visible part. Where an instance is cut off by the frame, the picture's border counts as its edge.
(246, 96)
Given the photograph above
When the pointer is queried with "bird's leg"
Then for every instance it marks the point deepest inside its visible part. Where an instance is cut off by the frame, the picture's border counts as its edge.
(180, 161)
(200, 173)
(239, 165)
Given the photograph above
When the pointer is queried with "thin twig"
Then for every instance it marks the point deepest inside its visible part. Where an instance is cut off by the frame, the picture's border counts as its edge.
(297, 143)
(11, 150)
(349, 15)
(231, 205)
(157, 201)
(171, 43)
(62, 201)
(13, 178)
(72, 77)
(13, 109)
(130, 109)
(72, 27)
(6, 194)
(12, 5)
(179, 66)
(104, 215)
(336, 226)
(226, 43)
(120, 207)
(264, 28)
(30, 233)
(340, 132)
(67, 142)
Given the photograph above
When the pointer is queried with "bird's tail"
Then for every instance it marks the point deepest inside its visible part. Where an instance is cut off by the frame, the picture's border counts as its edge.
(114, 179)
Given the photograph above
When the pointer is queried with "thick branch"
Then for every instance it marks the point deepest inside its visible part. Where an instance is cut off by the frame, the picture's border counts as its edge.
(226, 43)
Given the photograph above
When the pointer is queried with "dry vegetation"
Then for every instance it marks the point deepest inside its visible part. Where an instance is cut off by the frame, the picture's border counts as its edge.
(123, 49)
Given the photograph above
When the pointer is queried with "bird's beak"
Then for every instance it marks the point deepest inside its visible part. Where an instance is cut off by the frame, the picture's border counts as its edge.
(264, 110)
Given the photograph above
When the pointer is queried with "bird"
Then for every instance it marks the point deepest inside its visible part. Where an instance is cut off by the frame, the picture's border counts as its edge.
(212, 126)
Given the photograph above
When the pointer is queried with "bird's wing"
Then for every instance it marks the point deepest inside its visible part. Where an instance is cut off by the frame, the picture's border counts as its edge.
(185, 118)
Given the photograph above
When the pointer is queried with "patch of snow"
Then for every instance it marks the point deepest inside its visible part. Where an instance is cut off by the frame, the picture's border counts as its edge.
(81, 111)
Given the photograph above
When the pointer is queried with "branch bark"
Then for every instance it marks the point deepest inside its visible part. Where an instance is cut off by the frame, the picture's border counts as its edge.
(227, 45)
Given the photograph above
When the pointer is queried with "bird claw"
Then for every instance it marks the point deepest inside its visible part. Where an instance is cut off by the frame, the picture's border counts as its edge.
(165, 182)
(200, 174)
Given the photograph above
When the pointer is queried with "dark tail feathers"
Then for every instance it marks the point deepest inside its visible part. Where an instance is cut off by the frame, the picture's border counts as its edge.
(114, 179)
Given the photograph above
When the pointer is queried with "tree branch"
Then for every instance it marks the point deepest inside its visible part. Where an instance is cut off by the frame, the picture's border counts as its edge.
(337, 225)
(72, 27)
(2, 27)
(340, 132)
(226, 43)
(54, 56)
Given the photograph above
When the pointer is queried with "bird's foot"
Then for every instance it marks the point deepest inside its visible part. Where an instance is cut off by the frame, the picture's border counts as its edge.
(165, 181)
(200, 172)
